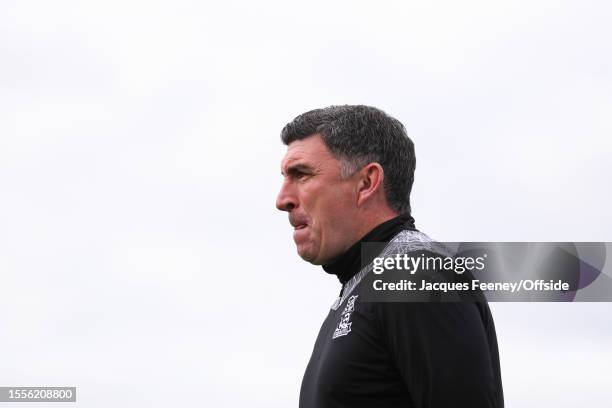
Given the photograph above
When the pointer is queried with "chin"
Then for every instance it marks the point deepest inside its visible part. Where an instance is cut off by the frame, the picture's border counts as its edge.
(308, 256)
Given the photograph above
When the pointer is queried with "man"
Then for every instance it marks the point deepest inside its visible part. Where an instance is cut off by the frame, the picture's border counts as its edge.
(348, 174)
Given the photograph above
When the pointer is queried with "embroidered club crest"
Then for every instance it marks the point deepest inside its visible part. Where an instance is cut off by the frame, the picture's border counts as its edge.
(344, 326)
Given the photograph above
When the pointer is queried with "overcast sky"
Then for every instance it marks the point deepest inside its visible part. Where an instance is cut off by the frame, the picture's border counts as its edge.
(141, 255)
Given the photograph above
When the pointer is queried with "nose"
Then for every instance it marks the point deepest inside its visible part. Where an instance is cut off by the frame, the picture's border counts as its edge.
(286, 199)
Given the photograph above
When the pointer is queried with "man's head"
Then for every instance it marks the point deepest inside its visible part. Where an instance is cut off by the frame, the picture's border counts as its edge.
(347, 169)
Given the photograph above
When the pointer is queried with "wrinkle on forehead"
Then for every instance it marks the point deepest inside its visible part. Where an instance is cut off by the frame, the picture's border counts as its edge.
(307, 152)
(310, 152)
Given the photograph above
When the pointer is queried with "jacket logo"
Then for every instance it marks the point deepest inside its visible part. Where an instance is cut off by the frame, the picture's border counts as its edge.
(344, 326)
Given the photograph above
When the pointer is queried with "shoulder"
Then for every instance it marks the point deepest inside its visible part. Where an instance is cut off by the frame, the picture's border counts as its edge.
(407, 241)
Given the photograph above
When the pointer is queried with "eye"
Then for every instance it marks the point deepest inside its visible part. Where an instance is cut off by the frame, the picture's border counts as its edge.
(302, 176)
(299, 173)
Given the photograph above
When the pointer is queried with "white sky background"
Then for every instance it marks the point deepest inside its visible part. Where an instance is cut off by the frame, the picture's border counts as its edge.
(141, 256)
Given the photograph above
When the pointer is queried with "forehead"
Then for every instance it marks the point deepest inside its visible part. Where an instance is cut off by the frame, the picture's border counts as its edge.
(309, 151)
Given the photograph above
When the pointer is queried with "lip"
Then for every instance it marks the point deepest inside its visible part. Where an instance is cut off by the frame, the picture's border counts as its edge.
(298, 221)
(300, 233)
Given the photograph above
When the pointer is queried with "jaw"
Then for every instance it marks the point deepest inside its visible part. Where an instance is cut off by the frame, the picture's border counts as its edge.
(305, 252)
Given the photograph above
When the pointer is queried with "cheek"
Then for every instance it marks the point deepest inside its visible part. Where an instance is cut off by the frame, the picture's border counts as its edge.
(328, 206)
(334, 211)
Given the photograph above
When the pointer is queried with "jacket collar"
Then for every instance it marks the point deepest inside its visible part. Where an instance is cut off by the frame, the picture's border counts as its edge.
(348, 264)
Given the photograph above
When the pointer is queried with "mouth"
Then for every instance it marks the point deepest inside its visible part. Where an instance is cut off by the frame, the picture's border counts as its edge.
(298, 222)
(300, 233)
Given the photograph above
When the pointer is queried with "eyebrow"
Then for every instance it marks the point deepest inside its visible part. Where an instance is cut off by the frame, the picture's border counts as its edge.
(298, 167)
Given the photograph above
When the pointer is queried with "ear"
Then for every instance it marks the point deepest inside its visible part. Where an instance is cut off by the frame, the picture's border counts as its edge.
(370, 182)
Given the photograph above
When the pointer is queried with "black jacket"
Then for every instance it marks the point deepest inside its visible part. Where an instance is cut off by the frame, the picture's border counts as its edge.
(383, 354)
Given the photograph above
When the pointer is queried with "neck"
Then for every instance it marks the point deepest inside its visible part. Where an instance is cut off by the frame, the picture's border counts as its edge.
(371, 220)
(348, 264)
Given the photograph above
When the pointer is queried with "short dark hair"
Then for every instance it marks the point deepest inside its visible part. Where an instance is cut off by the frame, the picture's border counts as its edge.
(358, 135)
